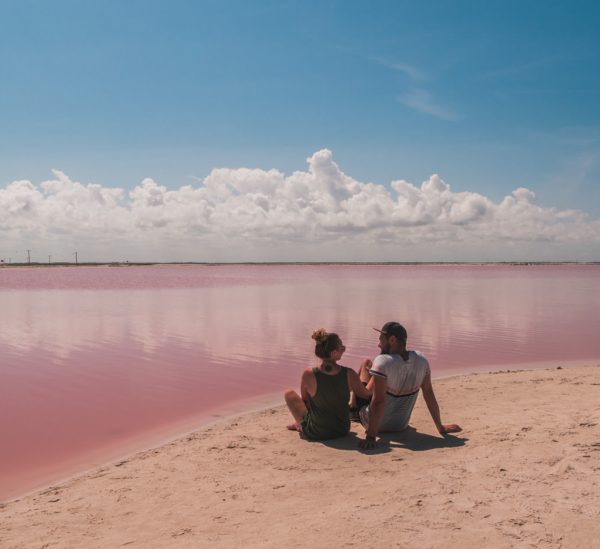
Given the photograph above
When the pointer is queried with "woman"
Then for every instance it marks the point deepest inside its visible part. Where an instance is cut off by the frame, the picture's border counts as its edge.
(321, 411)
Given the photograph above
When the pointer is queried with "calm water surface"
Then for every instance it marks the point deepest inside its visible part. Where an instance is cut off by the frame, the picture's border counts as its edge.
(96, 360)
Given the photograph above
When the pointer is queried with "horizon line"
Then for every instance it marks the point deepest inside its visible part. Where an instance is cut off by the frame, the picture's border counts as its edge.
(217, 263)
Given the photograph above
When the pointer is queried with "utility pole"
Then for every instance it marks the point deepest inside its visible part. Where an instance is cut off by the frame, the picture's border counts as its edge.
(49, 259)
(76, 263)
(29, 257)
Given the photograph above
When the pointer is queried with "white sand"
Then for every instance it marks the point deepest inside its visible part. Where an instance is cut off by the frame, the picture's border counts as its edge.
(525, 472)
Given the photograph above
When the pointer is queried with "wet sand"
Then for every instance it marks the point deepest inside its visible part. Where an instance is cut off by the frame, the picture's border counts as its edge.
(524, 472)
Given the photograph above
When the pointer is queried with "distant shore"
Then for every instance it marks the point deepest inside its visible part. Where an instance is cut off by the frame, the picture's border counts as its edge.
(523, 472)
(216, 263)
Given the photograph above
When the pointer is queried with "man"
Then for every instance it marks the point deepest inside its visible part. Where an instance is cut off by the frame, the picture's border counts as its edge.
(396, 377)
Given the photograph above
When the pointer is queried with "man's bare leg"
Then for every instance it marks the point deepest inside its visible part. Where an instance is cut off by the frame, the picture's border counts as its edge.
(363, 371)
(363, 374)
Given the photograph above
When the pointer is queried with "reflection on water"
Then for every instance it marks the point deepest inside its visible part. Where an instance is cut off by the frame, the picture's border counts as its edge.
(92, 357)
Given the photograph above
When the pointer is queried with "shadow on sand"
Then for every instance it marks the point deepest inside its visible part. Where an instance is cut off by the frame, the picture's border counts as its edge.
(409, 439)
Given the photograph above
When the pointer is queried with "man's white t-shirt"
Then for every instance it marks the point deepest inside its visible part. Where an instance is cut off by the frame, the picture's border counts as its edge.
(403, 380)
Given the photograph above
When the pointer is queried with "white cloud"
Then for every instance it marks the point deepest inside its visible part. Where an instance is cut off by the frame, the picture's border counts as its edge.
(413, 73)
(416, 96)
(423, 101)
(319, 214)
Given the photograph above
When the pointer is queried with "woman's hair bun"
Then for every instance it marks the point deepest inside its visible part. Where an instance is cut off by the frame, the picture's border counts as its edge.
(320, 335)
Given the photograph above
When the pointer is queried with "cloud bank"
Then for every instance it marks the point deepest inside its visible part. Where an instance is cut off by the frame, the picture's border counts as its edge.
(320, 214)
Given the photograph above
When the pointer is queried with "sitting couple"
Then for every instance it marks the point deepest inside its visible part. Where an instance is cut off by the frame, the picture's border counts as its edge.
(388, 389)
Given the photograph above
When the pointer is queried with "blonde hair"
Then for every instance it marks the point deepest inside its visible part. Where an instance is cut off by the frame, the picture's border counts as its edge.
(320, 335)
(325, 342)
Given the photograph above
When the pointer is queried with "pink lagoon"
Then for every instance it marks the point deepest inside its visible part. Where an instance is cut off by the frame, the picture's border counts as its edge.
(97, 362)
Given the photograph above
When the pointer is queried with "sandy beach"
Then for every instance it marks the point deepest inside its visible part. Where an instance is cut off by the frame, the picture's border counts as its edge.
(524, 472)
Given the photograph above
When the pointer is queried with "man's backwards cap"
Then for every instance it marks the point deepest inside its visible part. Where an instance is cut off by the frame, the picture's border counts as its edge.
(393, 329)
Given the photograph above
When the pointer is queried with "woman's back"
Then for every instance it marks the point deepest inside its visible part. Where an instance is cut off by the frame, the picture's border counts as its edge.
(328, 415)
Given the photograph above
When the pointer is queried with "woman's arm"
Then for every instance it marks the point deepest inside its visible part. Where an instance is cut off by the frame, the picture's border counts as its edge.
(308, 385)
(356, 386)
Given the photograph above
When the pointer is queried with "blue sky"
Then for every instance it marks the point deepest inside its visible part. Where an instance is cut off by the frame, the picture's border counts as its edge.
(490, 96)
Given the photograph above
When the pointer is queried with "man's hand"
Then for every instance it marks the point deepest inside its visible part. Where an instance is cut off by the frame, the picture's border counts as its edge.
(368, 443)
(449, 428)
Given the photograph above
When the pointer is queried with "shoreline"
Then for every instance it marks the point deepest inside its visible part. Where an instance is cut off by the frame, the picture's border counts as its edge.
(523, 472)
(148, 441)
(293, 263)
(167, 434)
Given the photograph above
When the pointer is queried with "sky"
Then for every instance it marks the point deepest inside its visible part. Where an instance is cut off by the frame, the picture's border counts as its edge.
(299, 130)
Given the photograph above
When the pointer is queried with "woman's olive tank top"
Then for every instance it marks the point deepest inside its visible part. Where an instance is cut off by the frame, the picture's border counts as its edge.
(328, 414)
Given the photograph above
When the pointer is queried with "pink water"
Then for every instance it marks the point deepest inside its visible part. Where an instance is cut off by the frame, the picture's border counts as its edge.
(96, 361)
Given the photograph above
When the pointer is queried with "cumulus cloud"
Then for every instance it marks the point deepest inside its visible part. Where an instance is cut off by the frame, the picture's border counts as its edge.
(318, 214)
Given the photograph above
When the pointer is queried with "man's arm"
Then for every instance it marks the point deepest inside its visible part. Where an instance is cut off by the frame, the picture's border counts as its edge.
(434, 408)
(379, 387)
